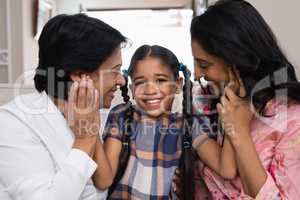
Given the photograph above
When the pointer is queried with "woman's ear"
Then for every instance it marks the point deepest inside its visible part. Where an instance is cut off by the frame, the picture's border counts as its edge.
(179, 84)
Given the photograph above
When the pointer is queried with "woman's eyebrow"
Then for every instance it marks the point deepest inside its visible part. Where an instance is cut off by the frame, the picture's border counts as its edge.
(201, 60)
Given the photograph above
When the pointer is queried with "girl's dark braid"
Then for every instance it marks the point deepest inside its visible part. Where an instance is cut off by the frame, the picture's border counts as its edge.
(125, 152)
(186, 167)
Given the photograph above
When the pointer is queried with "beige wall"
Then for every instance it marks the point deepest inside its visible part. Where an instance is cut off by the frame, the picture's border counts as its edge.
(30, 51)
(23, 47)
(3, 40)
(283, 17)
(72, 6)
(3, 32)
(17, 48)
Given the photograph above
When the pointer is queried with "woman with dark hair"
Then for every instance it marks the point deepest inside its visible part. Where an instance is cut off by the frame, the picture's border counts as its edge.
(233, 46)
(49, 143)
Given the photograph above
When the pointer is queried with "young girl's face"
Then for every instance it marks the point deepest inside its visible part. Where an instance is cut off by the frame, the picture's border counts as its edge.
(154, 86)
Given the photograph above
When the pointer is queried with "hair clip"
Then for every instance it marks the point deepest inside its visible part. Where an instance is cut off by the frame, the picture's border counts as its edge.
(182, 67)
(187, 144)
(125, 72)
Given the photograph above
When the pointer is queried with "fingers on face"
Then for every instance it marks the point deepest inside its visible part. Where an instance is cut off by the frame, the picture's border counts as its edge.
(86, 95)
(82, 93)
(72, 101)
(238, 77)
(90, 94)
(73, 93)
(234, 83)
(224, 101)
(97, 99)
(228, 101)
(231, 95)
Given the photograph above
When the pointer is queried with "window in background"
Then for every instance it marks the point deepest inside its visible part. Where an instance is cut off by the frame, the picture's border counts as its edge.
(4, 43)
(200, 6)
(168, 28)
(44, 11)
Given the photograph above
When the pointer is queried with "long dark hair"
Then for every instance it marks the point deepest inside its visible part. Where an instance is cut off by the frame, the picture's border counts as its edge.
(234, 31)
(186, 161)
(69, 44)
(125, 151)
(186, 164)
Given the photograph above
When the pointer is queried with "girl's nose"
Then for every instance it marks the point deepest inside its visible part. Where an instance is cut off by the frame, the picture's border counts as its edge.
(151, 88)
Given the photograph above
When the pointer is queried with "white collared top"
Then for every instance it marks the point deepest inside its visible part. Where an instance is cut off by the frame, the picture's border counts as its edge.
(37, 161)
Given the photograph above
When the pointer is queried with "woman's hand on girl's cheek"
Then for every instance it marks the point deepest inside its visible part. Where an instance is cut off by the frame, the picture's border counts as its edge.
(235, 114)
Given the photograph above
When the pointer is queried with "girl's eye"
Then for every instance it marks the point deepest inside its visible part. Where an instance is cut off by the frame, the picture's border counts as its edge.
(161, 80)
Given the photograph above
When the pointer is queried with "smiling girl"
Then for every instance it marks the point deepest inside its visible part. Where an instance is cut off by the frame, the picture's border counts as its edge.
(146, 142)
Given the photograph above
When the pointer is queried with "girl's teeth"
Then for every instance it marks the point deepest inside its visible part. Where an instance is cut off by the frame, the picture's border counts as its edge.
(153, 101)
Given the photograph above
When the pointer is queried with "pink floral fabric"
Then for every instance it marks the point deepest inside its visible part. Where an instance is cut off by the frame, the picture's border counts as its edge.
(277, 141)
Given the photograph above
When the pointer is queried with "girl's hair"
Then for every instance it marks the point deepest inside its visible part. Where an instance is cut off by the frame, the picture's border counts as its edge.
(186, 163)
(125, 152)
(234, 31)
(166, 56)
(72, 43)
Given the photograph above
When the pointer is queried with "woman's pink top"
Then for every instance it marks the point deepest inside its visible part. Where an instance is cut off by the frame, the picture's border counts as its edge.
(277, 141)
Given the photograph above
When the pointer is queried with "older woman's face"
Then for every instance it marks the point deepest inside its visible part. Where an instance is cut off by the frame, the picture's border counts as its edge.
(108, 77)
(208, 66)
